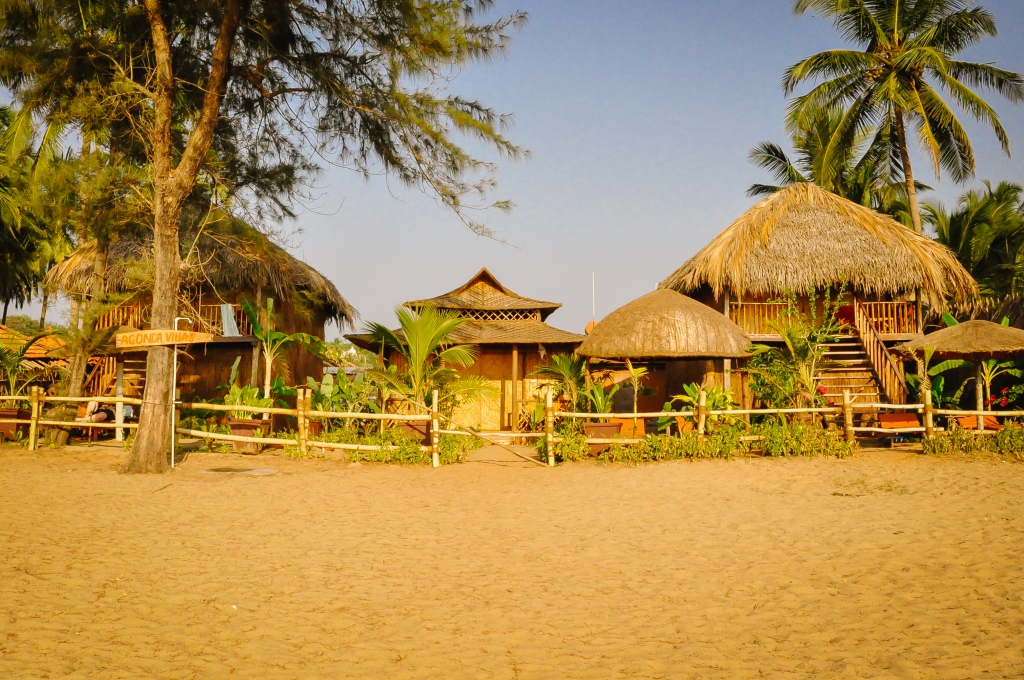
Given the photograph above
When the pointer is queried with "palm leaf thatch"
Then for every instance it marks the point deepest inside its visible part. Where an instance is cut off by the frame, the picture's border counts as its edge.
(804, 238)
(977, 339)
(227, 255)
(665, 324)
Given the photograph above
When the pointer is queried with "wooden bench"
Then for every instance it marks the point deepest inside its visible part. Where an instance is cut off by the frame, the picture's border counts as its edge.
(897, 421)
(971, 423)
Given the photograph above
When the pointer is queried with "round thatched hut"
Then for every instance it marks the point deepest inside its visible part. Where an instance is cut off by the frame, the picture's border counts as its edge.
(679, 339)
(803, 239)
(224, 262)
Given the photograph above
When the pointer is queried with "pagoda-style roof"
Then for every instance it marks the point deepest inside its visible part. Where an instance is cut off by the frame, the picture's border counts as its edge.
(497, 316)
(484, 298)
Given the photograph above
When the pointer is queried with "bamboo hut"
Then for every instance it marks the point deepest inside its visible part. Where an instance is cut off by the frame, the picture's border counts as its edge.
(679, 339)
(224, 263)
(803, 239)
(513, 337)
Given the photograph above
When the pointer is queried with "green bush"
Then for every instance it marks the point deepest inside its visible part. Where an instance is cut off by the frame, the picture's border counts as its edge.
(798, 439)
(1009, 441)
(401, 448)
(570, 445)
(722, 443)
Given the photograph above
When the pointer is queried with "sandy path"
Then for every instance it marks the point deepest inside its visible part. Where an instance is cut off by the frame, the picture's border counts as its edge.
(886, 565)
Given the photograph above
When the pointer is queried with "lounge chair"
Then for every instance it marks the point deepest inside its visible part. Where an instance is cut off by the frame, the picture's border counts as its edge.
(626, 427)
(971, 423)
(897, 421)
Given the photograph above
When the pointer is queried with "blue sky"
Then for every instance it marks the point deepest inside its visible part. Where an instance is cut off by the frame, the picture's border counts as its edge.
(639, 117)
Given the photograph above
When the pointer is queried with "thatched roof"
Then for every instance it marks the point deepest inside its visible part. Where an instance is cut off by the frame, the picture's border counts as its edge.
(665, 324)
(979, 339)
(43, 352)
(804, 238)
(485, 294)
(492, 333)
(992, 309)
(227, 256)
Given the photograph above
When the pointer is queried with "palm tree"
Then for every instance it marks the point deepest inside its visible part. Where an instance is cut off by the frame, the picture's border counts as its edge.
(858, 173)
(907, 48)
(569, 373)
(986, 233)
(425, 345)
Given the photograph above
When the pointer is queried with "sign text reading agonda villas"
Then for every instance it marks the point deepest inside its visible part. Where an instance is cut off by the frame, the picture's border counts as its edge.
(155, 337)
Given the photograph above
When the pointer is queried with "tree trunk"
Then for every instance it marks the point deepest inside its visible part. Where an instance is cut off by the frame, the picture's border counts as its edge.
(80, 360)
(42, 312)
(171, 186)
(6, 304)
(908, 173)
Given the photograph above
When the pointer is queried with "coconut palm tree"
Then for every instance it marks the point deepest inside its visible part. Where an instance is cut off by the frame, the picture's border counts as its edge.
(906, 55)
(859, 172)
(986, 233)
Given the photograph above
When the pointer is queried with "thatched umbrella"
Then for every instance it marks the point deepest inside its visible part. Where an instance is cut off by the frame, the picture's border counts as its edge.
(976, 341)
(804, 238)
(665, 325)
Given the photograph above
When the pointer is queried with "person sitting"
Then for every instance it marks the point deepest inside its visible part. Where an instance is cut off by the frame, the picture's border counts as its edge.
(95, 414)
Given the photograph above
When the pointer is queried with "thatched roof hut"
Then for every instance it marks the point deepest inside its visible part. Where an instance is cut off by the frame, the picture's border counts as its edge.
(804, 238)
(665, 325)
(228, 256)
(971, 339)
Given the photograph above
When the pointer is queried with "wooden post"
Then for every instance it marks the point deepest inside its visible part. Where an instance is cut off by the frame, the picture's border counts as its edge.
(515, 388)
(254, 371)
(702, 411)
(979, 396)
(929, 415)
(726, 363)
(549, 426)
(848, 415)
(435, 434)
(119, 405)
(918, 310)
(301, 424)
(33, 428)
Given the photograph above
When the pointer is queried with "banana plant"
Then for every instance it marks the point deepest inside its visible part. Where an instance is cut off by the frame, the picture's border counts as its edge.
(601, 400)
(273, 342)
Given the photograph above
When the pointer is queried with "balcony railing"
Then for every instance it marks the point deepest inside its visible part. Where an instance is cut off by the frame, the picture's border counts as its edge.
(888, 318)
(138, 316)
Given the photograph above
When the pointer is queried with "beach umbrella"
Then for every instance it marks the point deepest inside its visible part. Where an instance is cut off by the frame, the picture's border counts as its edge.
(665, 325)
(975, 341)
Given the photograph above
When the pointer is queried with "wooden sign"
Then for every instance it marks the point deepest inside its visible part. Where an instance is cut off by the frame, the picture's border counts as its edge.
(151, 338)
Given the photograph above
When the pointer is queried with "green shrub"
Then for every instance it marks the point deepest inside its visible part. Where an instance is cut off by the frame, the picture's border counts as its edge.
(722, 443)
(1009, 441)
(401, 448)
(798, 439)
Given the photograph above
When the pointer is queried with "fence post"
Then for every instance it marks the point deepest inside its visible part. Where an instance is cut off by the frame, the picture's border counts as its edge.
(848, 416)
(549, 426)
(300, 417)
(702, 412)
(119, 405)
(33, 428)
(929, 415)
(435, 435)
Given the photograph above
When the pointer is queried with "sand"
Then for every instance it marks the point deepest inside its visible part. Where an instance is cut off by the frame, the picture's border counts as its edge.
(887, 565)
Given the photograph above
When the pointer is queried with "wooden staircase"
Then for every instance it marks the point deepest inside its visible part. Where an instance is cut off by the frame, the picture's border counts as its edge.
(848, 366)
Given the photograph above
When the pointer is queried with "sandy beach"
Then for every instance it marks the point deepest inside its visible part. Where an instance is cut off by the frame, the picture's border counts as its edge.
(886, 565)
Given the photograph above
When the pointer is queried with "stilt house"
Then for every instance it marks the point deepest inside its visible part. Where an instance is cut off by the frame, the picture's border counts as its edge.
(804, 241)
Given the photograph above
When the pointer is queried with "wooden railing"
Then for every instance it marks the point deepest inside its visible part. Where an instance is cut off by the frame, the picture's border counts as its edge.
(888, 370)
(892, 318)
(211, 319)
(754, 317)
(128, 314)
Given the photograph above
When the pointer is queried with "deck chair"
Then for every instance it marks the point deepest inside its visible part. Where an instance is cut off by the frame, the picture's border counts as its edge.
(971, 423)
(897, 421)
(626, 427)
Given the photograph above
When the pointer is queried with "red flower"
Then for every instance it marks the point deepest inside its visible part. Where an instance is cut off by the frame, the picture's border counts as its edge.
(821, 390)
(1004, 401)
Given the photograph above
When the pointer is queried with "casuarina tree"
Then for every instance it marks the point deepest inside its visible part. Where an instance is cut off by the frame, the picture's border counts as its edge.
(230, 99)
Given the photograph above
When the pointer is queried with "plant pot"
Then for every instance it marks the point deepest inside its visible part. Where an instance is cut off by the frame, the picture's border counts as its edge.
(11, 430)
(314, 427)
(418, 429)
(601, 431)
(246, 427)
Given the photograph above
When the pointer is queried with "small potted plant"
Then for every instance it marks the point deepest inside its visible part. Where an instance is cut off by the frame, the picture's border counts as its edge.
(245, 423)
(601, 401)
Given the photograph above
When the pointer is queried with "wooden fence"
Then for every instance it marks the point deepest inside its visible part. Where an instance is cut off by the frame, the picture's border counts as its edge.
(303, 412)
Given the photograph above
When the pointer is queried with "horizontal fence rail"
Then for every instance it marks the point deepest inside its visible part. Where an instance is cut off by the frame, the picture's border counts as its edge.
(843, 413)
